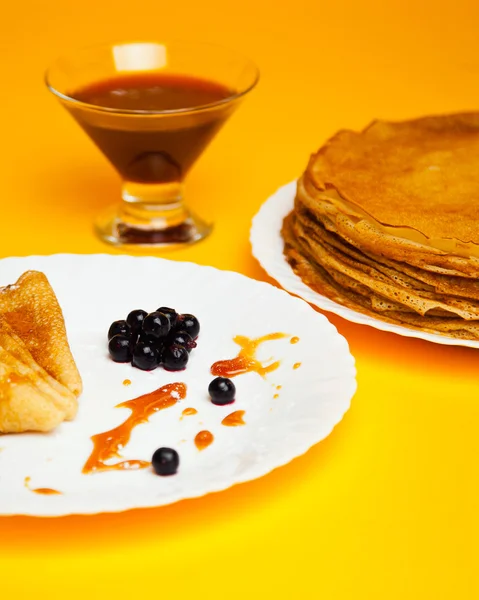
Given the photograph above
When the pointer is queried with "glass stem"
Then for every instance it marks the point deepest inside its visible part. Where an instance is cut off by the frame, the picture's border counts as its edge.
(153, 205)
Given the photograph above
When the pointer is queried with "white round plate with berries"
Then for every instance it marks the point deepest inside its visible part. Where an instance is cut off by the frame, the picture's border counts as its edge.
(290, 388)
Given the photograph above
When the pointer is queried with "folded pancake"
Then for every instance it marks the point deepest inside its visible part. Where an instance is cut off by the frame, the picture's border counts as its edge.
(386, 222)
(31, 309)
(61, 396)
(23, 407)
(27, 400)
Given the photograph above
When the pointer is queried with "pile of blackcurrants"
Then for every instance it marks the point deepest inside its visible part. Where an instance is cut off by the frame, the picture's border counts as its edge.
(163, 337)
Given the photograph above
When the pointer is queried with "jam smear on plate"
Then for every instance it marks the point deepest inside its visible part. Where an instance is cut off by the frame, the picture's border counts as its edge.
(246, 361)
(42, 491)
(234, 419)
(106, 445)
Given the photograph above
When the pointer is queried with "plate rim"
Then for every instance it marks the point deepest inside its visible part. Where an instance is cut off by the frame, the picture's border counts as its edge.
(228, 482)
(285, 273)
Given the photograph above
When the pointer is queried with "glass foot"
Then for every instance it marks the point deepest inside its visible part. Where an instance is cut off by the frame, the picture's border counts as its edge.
(112, 228)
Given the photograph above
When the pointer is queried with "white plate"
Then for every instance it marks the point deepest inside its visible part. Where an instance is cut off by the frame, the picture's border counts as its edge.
(267, 245)
(94, 290)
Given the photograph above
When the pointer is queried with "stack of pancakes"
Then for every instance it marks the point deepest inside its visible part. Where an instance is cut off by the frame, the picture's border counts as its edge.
(386, 222)
(39, 381)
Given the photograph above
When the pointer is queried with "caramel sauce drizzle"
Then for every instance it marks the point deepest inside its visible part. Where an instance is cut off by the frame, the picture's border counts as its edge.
(43, 491)
(204, 439)
(246, 361)
(46, 491)
(107, 445)
(294, 340)
(296, 365)
(234, 419)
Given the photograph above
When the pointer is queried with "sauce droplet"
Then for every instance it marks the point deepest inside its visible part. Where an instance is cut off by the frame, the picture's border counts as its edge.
(106, 445)
(43, 491)
(189, 411)
(127, 382)
(294, 340)
(46, 491)
(278, 387)
(296, 365)
(234, 419)
(246, 361)
(204, 439)
(276, 396)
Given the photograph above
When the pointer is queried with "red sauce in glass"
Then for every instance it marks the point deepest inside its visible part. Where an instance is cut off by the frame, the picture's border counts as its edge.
(154, 150)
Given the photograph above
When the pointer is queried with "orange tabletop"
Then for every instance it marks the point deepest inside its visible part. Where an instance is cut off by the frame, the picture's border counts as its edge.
(387, 506)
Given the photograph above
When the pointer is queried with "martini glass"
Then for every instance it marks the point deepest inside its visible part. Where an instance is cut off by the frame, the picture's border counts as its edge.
(152, 149)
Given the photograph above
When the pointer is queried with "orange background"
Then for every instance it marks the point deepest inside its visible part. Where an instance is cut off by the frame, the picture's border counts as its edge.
(387, 506)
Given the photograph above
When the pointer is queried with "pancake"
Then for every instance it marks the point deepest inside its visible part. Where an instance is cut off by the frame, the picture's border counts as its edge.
(357, 297)
(369, 235)
(61, 396)
(385, 221)
(39, 381)
(23, 407)
(31, 309)
(391, 285)
(30, 400)
(438, 282)
(415, 174)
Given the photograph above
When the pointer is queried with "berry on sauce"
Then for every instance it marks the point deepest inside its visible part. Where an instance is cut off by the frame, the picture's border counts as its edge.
(145, 356)
(181, 338)
(148, 340)
(175, 358)
(119, 348)
(135, 320)
(222, 391)
(165, 461)
(188, 323)
(119, 328)
(156, 325)
(170, 313)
